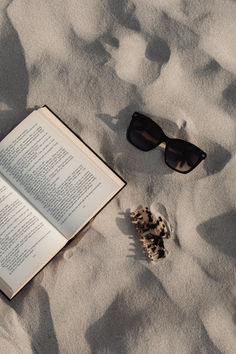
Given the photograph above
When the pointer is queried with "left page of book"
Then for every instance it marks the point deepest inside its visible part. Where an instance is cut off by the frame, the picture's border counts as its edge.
(55, 174)
(27, 240)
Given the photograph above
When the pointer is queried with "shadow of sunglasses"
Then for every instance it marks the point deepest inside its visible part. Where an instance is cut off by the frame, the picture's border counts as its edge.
(180, 155)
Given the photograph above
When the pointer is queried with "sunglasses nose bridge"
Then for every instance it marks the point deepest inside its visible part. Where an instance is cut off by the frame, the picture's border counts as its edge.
(165, 138)
(162, 146)
(162, 141)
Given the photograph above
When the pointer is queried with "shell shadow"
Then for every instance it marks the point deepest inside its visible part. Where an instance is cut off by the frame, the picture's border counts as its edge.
(128, 229)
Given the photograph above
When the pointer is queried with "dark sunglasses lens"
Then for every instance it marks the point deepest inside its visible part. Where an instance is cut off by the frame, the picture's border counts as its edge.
(182, 156)
(144, 133)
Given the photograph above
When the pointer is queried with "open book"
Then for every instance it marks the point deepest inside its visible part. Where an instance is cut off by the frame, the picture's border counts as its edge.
(51, 186)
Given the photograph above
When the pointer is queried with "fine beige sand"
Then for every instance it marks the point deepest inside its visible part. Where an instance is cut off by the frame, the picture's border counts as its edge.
(94, 62)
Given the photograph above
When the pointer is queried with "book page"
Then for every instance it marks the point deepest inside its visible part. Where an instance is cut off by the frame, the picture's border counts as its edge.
(55, 175)
(27, 240)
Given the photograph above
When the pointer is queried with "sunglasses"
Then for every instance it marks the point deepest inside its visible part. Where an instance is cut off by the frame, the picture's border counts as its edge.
(146, 135)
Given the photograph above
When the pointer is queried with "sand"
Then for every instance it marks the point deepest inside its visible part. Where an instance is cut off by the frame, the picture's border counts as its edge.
(94, 62)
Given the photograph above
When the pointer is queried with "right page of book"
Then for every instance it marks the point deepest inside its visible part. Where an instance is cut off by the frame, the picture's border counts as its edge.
(56, 172)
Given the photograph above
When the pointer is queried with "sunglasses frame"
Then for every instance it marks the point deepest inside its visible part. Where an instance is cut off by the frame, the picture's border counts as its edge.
(165, 139)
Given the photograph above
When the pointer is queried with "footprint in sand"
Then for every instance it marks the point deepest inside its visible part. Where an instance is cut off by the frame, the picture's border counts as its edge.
(138, 60)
